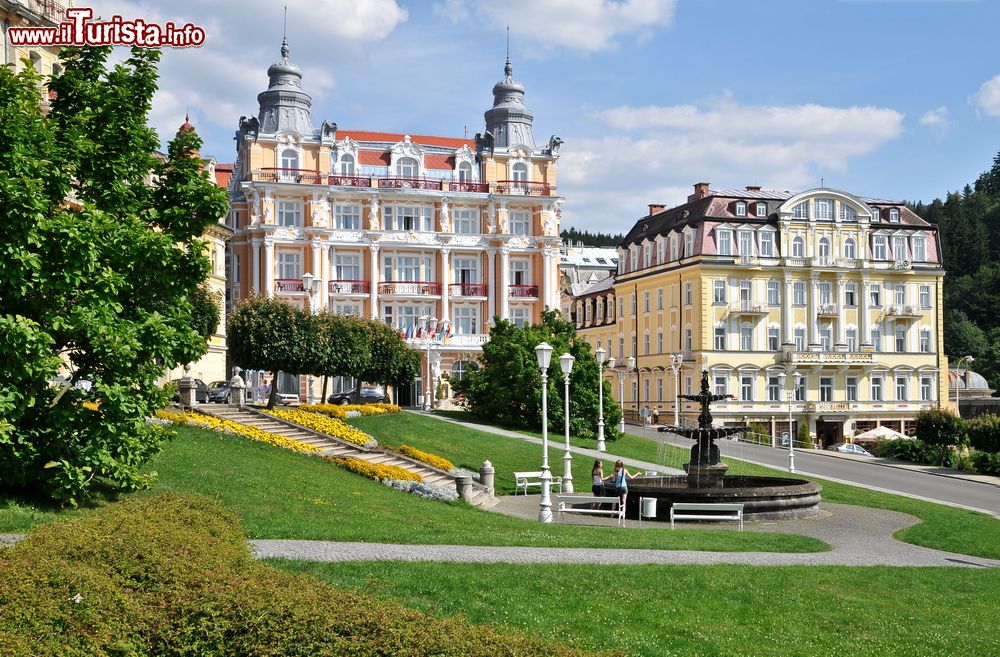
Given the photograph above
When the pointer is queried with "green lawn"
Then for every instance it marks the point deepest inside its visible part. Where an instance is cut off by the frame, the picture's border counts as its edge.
(720, 611)
(281, 494)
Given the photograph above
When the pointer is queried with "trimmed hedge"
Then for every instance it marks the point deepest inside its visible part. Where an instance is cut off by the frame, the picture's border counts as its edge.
(984, 432)
(172, 575)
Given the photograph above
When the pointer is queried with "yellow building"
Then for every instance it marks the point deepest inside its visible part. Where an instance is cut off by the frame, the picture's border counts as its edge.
(32, 13)
(397, 227)
(752, 285)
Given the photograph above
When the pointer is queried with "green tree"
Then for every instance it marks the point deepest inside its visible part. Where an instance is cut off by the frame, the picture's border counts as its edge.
(100, 264)
(937, 426)
(205, 313)
(507, 388)
(393, 362)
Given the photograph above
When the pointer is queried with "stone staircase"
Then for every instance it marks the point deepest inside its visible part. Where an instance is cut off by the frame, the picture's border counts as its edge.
(330, 446)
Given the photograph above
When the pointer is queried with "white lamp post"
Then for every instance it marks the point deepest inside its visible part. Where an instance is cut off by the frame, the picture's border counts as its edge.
(566, 363)
(310, 285)
(544, 354)
(428, 340)
(958, 367)
(600, 354)
(794, 380)
(676, 360)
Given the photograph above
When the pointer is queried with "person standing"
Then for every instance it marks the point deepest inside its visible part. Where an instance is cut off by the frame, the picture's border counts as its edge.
(620, 478)
(597, 474)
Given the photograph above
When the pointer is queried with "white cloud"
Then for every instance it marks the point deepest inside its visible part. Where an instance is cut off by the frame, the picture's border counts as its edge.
(987, 99)
(937, 120)
(580, 25)
(654, 154)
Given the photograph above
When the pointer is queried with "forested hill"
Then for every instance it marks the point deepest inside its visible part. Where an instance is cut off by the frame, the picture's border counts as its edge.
(592, 239)
(969, 223)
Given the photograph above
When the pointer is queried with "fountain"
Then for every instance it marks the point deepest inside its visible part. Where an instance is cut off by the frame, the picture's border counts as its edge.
(763, 498)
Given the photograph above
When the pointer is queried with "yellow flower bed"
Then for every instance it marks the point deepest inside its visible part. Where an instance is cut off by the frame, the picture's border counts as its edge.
(339, 411)
(377, 471)
(326, 425)
(385, 408)
(330, 410)
(432, 460)
(228, 426)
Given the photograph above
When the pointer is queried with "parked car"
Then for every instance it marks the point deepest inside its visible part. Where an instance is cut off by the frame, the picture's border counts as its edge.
(218, 392)
(200, 391)
(369, 395)
(286, 399)
(849, 448)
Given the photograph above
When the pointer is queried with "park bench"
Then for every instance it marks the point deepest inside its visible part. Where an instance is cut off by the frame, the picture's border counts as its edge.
(706, 511)
(524, 479)
(604, 506)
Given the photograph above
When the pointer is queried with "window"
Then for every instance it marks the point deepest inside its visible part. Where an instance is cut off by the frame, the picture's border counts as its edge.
(826, 388)
(647, 255)
(659, 388)
(773, 293)
(466, 320)
(289, 213)
(877, 339)
(800, 338)
(466, 221)
(847, 213)
(409, 218)
(675, 245)
(823, 208)
(465, 172)
(899, 248)
(353, 309)
(902, 381)
(659, 298)
(773, 338)
(900, 293)
(289, 265)
(634, 252)
(746, 291)
(746, 242)
(725, 242)
(289, 159)
(925, 296)
(621, 306)
(347, 217)
(746, 337)
(645, 301)
(467, 273)
(519, 172)
(879, 247)
(894, 215)
(347, 267)
(798, 247)
(850, 294)
(462, 368)
(824, 247)
(407, 167)
(825, 293)
(661, 250)
(746, 387)
(741, 209)
(762, 209)
(721, 384)
(876, 214)
(347, 165)
(719, 292)
(519, 272)
(925, 341)
(798, 293)
(900, 335)
(801, 211)
(659, 341)
(852, 339)
(919, 249)
(689, 244)
(688, 339)
(875, 293)
(645, 344)
(687, 385)
(767, 244)
(926, 388)
(404, 268)
(621, 348)
(852, 388)
(720, 338)
(826, 337)
(850, 248)
(800, 389)
(688, 294)
(635, 304)
(520, 223)
(773, 389)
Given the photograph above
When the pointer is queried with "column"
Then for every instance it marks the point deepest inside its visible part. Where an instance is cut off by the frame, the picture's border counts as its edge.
(546, 278)
(255, 258)
(813, 308)
(268, 267)
(786, 312)
(504, 282)
(327, 274)
(373, 280)
(316, 270)
(491, 293)
(865, 337)
(841, 318)
(445, 284)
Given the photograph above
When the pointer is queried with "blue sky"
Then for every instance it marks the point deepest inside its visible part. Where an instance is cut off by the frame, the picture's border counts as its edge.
(893, 99)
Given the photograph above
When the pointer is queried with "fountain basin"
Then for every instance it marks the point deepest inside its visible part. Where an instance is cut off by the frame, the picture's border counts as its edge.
(763, 498)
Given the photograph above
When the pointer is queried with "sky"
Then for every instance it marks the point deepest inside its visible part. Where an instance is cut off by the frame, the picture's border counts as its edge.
(890, 99)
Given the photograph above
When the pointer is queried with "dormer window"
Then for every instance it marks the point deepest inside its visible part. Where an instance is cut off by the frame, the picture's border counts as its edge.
(725, 238)
(347, 165)
(519, 172)
(407, 167)
(762, 209)
(894, 215)
(465, 172)
(823, 207)
(847, 213)
(801, 211)
(741, 209)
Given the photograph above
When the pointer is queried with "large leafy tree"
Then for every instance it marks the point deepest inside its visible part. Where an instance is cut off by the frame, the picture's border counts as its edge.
(100, 264)
(507, 388)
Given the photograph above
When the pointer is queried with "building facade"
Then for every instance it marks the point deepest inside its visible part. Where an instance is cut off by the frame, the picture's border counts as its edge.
(396, 227)
(752, 285)
(32, 13)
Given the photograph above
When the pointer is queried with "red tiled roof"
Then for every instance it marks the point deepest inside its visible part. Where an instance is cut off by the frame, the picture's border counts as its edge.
(393, 137)
(371, 158)
(223, 172)
(439, 161)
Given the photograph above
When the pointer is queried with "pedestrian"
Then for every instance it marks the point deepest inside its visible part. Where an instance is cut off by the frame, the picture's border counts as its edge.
(597, 473)
(620, 478)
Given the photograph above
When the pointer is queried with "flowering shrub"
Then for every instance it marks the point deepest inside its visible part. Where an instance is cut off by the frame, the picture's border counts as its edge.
(433, 493)
(378, 471)
(432, 460)
(330, 410)
(228, 426)
(92, 406)
(342, 411)
(326, 425)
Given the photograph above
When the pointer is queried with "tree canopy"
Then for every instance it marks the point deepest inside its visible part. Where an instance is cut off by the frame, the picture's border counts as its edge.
(100, 267)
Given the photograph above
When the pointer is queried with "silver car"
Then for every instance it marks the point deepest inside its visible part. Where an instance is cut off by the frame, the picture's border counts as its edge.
(849, 448)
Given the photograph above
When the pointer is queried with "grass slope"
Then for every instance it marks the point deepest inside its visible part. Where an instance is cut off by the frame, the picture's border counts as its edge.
(720, 611)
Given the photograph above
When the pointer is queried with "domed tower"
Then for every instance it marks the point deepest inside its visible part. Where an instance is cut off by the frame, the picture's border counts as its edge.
(285, 106)
(509, 121)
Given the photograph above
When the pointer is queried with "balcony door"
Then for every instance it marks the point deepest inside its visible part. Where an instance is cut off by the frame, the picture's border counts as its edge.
(466, 270)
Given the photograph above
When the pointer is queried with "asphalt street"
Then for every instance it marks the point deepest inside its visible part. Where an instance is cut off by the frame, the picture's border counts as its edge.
(856, 470)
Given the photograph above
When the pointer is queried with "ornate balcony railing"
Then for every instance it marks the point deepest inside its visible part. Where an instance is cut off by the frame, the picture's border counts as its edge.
(272, 174)
(410, 288)
(288, 285)
(349, 181)
(827, 310)
(523, 188)
(409, 183)
(827, 357)
(349, 287)
(748, 308)
(523, 291)
(467, 289)
(466, 186)
(468, 340)
(904, 311)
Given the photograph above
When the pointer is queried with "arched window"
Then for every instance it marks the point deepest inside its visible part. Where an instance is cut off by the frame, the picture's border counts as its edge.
(798, 247)
(462, 368)
(407, 167)
(847, 213)
(520, 172)
(465, 172)
(824, 247)
(289, 159)
(801, 211)
(850, 248)
(347, 165)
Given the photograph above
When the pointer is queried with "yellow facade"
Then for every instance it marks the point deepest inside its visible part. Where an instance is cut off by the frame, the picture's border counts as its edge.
(32, 13)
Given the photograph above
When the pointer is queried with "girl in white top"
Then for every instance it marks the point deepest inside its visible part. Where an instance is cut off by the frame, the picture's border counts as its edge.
(597, 473)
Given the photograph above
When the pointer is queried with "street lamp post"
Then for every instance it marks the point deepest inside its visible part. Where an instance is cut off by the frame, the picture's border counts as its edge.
(630, 367)
(310, 284)
(794, 380)
(428, 322)
(544, 354)
(600, 355)
(958, 367)
(676, 360)
(566, 363)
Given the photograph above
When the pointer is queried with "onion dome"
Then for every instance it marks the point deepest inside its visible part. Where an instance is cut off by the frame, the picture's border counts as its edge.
(509, 121)
(284, 106)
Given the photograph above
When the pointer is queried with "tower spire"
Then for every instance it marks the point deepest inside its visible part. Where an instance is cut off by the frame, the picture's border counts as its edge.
(284, 35)
(508, 69)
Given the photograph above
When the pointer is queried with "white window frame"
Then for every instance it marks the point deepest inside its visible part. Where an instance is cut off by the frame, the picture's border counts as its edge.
(289, 213)
(520, 222)
(798, 247)
(725, 241)
(466, 221)
(347, 216)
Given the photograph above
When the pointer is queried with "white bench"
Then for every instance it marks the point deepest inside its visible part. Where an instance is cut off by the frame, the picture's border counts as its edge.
(524, 479)
(706, 511)
(565, 504)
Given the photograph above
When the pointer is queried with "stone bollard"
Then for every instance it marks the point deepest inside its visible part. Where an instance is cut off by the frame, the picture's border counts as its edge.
(186, 389)
(237, 391)
(486, 476)
(463, 484)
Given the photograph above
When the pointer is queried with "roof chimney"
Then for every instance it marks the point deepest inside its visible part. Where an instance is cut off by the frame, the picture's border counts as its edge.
(753, 188)
(700, 191)
(655, 208)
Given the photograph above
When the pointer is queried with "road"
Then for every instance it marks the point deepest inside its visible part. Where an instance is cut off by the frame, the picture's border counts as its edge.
(857, 470)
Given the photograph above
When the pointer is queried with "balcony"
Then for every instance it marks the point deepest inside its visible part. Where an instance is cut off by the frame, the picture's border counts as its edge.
(747, 308)
(523, 291)
(904, 311)
(306, 176)
(523, 188)
(467, 290)
(468, 340)
(746, 260)
(409, 183)
(829, 407)
(410, 288)
(828, 358)
(825, 261)
(349, 181)
(827, 310)
(465, 186)
(349, 287)
(288, 285)
(54, 11)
